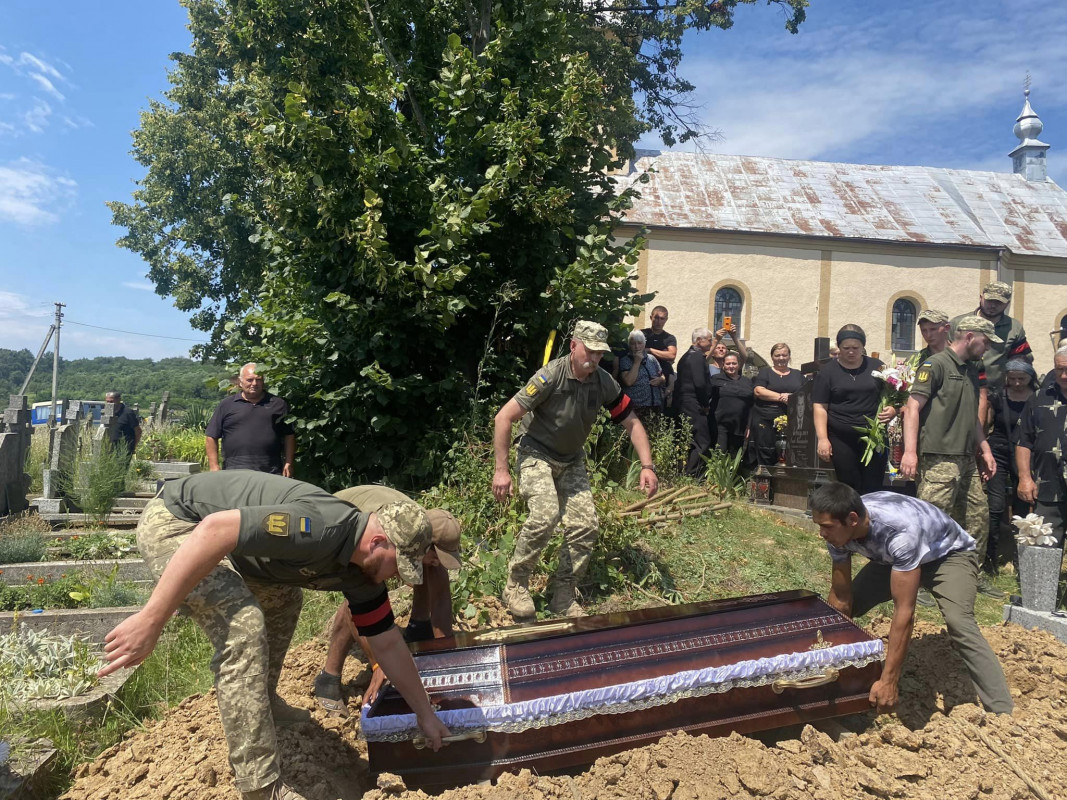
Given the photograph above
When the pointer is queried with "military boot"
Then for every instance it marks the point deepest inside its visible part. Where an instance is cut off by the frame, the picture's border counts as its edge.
(517, 599)
(276, 791)
(564, 601)
(285, 714)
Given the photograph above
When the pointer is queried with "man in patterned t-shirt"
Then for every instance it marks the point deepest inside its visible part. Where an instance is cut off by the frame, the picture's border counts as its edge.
(909, 543)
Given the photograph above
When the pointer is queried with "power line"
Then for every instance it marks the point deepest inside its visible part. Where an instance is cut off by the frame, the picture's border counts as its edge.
(135, 333)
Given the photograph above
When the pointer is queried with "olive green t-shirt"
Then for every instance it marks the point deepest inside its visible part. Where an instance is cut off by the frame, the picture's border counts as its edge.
(947, 421)
(291, 532)
(562, 409)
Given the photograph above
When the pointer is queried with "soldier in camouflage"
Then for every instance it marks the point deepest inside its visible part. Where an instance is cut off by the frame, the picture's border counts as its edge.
(557, 409)
(233, 550)
(944, 442)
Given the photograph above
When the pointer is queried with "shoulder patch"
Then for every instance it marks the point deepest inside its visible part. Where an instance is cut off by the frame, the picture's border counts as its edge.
(923, 375)
(304, 524)
(276, 524)
(531, 389)
(541, 379)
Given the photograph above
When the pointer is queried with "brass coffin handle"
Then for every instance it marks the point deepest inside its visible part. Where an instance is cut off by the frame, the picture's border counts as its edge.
(422, 742)
(829, 675)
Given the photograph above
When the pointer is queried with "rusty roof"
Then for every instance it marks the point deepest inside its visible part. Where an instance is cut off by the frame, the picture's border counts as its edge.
(854, 201)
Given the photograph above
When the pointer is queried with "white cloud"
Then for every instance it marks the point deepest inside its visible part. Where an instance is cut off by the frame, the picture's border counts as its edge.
(47, 85)
(22, 324)
(142, 286)
(31, 194)
(36, 118)
(28, 112)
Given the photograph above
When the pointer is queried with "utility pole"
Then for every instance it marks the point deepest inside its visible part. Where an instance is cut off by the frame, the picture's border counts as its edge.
(55, 363)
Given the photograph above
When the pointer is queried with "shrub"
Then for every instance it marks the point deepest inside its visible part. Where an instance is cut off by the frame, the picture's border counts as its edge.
(39, 665)
(96, 546)
(36, 456)
(22, 539)
(100, 481)
(172, 443)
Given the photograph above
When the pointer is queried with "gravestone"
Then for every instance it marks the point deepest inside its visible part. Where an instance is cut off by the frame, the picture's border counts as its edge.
(16, 432)
(62, 458)
(159, 417)
(105, 431)
(801, 441)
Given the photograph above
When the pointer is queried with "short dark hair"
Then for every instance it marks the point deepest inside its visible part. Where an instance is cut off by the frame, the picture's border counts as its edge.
(838, 500)
(116, 395)
(660, 308)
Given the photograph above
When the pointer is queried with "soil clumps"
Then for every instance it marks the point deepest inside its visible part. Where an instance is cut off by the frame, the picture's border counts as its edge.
(940, 745)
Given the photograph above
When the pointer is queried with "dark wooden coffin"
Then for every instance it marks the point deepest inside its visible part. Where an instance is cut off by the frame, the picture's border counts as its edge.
(558, 694)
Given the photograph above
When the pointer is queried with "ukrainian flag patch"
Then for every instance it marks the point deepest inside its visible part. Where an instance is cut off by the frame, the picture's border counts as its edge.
(304, 524)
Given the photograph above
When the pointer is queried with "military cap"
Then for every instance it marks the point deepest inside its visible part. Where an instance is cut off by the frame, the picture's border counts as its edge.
(593, 335)
(407, 527)
(446, 532)
(997, 290)
(977, 324)
(930, 315)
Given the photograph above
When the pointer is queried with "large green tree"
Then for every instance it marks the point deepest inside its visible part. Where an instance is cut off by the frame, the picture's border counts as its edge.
(390, 205)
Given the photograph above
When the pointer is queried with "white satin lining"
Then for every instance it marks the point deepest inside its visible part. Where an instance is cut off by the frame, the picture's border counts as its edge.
(625, 697)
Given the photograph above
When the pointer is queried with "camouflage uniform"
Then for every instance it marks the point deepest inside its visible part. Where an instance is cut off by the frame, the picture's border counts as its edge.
(952, 483)
(554, 491)
(250, 625)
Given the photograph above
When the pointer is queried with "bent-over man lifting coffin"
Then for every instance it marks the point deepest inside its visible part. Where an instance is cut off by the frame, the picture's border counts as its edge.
(233, 549)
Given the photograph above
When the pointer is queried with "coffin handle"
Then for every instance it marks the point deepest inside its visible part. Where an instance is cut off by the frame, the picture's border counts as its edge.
(828, 675)
(422, 742)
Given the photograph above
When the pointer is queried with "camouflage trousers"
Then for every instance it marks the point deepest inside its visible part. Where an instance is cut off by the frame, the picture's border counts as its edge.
(554, 492)
(952, 483)
(250, 625)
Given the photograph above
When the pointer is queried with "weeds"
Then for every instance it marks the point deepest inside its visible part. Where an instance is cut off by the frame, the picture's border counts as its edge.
(100, 481)
(172, 443)
(98, 546)
(724, 473)
(22, 539)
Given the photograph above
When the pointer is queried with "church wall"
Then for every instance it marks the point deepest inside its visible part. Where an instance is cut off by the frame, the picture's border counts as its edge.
(1044, 304)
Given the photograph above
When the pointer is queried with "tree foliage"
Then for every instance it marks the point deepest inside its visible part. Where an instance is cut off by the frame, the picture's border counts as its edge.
(142, 381)
(389, 206)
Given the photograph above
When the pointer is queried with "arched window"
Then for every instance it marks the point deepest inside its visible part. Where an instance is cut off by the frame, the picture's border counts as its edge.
(904, 314)
(728, 304)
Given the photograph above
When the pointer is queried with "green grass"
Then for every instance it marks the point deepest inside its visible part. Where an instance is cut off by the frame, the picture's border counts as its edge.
(747, 551)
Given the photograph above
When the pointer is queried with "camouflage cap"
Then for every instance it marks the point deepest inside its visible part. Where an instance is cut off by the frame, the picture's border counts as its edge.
(997, 290)
(406, 526)
(446, 533)
(593, 335)
(930, 315)
(978, 325)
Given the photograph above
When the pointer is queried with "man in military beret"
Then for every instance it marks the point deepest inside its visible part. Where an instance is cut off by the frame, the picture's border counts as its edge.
(1011, 336)
(942, 432)
(431, 600)
(557, 408)
(233, 549)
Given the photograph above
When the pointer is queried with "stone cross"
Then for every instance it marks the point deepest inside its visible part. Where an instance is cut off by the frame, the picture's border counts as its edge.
(16, 432)
(160, 414)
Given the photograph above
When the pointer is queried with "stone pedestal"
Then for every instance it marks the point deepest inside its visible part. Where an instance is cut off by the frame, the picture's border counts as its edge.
(1039, 576)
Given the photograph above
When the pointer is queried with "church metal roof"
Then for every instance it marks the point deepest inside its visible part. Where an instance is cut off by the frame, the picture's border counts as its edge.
(854, 201)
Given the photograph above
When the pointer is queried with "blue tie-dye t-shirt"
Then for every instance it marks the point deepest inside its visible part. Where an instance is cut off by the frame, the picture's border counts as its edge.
(905, 533)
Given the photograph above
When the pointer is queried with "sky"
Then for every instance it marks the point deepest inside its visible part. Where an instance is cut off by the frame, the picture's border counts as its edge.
(912, 82)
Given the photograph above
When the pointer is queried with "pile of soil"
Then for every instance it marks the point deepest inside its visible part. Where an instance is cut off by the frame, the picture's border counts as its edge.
(940, 745)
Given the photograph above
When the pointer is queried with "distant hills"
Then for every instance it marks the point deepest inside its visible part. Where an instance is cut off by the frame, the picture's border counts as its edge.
(141, 381)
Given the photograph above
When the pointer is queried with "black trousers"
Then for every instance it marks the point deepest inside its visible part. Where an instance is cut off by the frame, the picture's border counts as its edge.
(1000, 494)
(728, 438)
(699, 439)
(847, 450)
(763, 438)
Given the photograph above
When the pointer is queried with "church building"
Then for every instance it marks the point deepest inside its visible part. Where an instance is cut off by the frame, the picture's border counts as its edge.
(792, 250)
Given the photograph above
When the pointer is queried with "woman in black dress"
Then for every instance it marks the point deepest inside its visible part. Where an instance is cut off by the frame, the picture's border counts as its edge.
(773, 386)
(845, 392)
(692, 399)
(731, 404)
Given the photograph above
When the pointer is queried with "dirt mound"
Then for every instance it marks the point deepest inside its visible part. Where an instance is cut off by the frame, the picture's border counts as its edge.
(940, 745)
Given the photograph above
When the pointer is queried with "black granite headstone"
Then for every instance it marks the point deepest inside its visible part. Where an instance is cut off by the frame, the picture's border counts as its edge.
(801, 441)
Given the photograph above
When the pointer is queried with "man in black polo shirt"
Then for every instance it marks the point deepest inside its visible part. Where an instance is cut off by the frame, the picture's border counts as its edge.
(127, 428)
(233, 549)
(664, 346)
(253, 428)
